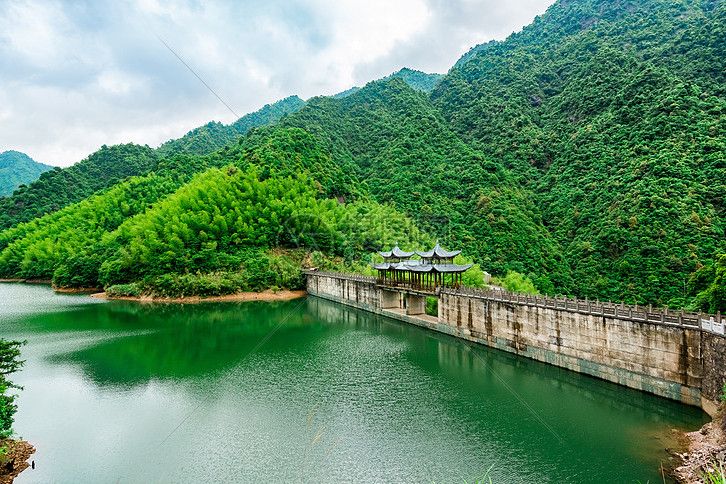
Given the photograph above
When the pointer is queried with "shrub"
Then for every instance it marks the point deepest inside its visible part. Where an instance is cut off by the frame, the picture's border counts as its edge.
(516, 282)
(474, 277)
(124, 290)
(78, 271)
(7, 410)
(205, 285)
(288, 273)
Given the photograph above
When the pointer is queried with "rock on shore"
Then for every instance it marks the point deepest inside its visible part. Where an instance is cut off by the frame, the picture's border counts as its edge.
(706, 453)
(16, 460)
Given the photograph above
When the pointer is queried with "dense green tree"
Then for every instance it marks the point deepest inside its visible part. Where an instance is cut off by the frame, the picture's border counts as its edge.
(213, 232)
(417, 80)
(710, 284)
(611, 116)
(60, 244)
(10, 362)
(291, 151)
(398, 143)
(225, 219)
(58, 188)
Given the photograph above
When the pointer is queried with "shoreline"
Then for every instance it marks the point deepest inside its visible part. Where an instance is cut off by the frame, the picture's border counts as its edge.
(705, 452)
(16, 460)
(268, 295)
(27, 281)
(59, 290)
(78, 290)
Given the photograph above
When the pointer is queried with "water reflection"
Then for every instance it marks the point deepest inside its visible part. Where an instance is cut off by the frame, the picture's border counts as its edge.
(181, 342)
(311, 390)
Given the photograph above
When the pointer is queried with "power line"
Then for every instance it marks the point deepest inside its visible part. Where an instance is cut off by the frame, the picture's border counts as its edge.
(197, 76)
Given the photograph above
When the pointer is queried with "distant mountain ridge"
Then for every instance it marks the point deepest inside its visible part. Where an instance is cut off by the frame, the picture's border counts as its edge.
(17, 169)
(214, 135)
(417, 80)
(57, 188)
(473, 52)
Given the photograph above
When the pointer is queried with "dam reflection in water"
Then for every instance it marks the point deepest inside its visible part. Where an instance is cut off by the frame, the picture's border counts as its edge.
(307, 390)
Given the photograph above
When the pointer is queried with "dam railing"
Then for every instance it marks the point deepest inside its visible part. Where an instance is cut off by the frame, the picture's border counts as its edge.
(636, 313)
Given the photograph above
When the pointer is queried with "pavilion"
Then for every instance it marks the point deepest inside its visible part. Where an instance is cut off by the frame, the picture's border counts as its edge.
(434, 268)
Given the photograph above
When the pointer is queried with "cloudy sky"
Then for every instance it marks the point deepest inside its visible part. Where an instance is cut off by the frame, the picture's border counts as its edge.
(78, 74)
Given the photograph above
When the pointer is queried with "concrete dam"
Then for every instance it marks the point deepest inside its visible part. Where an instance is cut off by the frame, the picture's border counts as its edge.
(676, 355)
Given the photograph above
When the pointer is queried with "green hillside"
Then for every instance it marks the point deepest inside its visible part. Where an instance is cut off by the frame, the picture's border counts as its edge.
(587, 152)
(109, 165)
(407, 154)
(612, 116)
(473, 52)
(58, 188)
(248, 225)
(67, 242)
(417, 80)
(18, 169)
(217, 230)
(214, 135)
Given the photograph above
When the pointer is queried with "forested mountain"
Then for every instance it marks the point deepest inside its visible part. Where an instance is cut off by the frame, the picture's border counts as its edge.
(17, 169)
(417, 80)
(612, 115)
(68, 242)
(473, 52)
(587, 151)
(60, 187)
(214, 135)
(212, 234)
(407, 154)
(109, 165)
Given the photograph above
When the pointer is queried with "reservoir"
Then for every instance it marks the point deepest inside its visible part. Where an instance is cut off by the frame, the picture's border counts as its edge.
(307, 390)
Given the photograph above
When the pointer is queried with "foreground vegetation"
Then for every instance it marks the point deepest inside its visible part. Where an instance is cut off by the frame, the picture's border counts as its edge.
(704, 462)
(10, 362)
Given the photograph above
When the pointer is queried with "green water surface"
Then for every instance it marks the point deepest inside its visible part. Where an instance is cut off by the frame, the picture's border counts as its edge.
(307, 391)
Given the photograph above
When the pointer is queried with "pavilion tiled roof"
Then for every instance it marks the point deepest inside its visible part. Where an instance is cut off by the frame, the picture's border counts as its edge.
(419, 267)
(397, 253)
(439, 253)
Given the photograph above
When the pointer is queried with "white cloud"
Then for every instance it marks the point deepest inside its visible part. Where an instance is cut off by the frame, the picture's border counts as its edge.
(118, 83)
(74, 76)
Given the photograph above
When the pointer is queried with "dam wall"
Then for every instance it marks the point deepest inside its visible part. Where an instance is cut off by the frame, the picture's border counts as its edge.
(676, 355)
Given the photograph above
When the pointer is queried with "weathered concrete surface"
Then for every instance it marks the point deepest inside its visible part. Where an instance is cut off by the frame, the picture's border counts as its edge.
(675, 362)
(415, 304)
(661, 360)
(360, 292)
(714, 370)
(390, 299)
